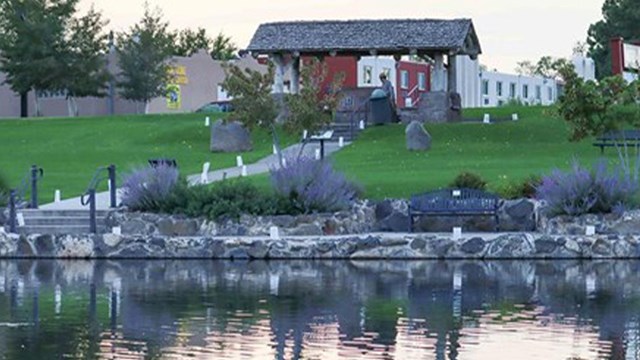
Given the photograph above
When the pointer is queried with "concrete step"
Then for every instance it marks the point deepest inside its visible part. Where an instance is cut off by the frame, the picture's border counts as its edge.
(60, 220)
(38, 213)
(53, 229)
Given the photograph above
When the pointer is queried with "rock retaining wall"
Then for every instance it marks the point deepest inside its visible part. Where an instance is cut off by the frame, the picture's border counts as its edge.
(364, 246)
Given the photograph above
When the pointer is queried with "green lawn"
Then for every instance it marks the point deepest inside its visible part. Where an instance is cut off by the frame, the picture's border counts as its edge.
(501, 153)
(70, 149)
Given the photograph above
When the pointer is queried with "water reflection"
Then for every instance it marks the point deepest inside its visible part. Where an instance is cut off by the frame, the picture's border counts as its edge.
(319, 310)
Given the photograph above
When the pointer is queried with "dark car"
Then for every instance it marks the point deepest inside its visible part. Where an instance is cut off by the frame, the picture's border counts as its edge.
(216, 107)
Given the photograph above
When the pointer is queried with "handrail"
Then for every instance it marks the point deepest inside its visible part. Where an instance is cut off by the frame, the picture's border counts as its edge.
(29, 182)
(90, 194)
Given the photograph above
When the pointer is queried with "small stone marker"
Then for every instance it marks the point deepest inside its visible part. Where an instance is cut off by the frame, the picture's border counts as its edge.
(317, 154)
(457, 279)
(204, 177)
(591, 230)
(284, 162)
(20, 219)
(305, 133)
(361, 124)
(56, 196)
(455, 193)
(457, 233)
(486, 119)
(275, 150)
(116, 230)
(244, 171)
(341, 141)
(514, 117)
(274, 233)
(207, 122)
(239, 161)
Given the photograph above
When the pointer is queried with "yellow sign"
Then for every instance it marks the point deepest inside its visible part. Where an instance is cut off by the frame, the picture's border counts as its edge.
(174, 97)
(179, 75)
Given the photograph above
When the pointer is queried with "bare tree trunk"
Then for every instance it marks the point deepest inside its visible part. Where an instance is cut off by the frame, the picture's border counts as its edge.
(146, 107)
(70, 105)
(76, 111)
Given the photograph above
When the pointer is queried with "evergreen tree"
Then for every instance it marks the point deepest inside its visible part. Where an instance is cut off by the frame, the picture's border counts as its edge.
(621, 18)
(144, 54)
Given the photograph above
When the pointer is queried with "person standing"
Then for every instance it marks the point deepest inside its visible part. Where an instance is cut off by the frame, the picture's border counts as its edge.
(387, 87)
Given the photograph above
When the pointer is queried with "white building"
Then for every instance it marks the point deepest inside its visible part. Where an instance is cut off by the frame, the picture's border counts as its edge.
(585, 67)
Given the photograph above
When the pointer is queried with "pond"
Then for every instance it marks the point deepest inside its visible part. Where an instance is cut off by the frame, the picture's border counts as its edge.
(319, 310)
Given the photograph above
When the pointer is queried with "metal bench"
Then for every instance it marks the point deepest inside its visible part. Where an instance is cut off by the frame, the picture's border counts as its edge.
(454, 202)
(618, 139)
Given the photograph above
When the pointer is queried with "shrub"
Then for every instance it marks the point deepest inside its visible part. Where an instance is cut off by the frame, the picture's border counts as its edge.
(313, 186)
(223, 200)
(581, 191)
(4, 191)
(149, 188)
(468, 180)
(521, 189)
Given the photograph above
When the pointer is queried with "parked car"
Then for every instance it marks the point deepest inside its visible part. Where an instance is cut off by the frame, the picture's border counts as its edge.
(215, 107)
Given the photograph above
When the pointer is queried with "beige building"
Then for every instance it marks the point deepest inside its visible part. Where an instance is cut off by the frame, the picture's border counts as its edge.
(196, 83)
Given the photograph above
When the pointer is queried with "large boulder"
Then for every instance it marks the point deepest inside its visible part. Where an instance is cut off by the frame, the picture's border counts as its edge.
(229, 137)
(417, 137)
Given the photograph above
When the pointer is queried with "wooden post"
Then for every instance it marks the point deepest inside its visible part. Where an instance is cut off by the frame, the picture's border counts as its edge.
(438, 79)
(295, 75)
(278, 80)
(452, 73)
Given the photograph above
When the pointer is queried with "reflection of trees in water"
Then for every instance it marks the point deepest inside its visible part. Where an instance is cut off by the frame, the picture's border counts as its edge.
(371, 303)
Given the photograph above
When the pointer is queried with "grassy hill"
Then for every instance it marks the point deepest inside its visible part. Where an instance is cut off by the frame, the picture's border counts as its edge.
(71, 149)
(501, 153)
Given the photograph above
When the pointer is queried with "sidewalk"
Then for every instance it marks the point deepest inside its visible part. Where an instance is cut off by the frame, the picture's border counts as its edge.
(260, 167)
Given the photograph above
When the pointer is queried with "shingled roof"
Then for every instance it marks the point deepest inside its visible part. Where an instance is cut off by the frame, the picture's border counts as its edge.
(385, 37)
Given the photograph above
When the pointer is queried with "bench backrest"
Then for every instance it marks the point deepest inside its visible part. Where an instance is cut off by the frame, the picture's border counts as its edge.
(455, 200)
(620, 135)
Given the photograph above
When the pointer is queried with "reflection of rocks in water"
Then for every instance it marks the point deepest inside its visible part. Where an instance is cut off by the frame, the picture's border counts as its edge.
(372, 304)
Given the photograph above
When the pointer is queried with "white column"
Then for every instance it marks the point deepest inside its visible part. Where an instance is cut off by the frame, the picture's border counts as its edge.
(278, 80)
(437, 78)
(295, 76)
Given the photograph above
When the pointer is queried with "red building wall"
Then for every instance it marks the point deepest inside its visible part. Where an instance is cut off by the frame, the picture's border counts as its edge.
(617, 56)
(413, 69)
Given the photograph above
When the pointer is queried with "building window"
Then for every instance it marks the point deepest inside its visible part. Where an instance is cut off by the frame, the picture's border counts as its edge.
(499, 88)
(404, 79)
(525, 91)
(387, 72)
(422, 81)
(368, 74)
(512, 90)
(550, 93)
(485, 87)
(538, 92)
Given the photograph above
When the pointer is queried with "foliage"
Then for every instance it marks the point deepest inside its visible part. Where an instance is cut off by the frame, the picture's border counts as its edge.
(223, 48)
(313, 186)
(224, 200)
(521, 189)
(4, 190)
(593, 108)
(620, 18)
(581, 191)
(144, 53)
(468, 180)
(252, 101)
(86, 73)
(149, 188)
(313, 107)
(546, 66)
(34, 43)
(188, 42)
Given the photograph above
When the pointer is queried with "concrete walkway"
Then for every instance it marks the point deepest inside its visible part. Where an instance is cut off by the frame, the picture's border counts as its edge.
(260, 167)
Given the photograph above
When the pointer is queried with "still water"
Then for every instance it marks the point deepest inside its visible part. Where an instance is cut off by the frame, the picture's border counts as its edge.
(319, 310)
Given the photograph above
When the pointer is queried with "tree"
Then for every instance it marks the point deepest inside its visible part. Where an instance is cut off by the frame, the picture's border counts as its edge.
(222, 48)
(621, 18)
(546, 66)
(33, 43)
(87, 73)
(525, 68)
(189, 42)
(144, 54)
(593, 108)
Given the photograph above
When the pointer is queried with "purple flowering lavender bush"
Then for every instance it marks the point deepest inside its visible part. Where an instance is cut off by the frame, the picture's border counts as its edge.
(582, 190)
(313, 186)
(148, 188)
